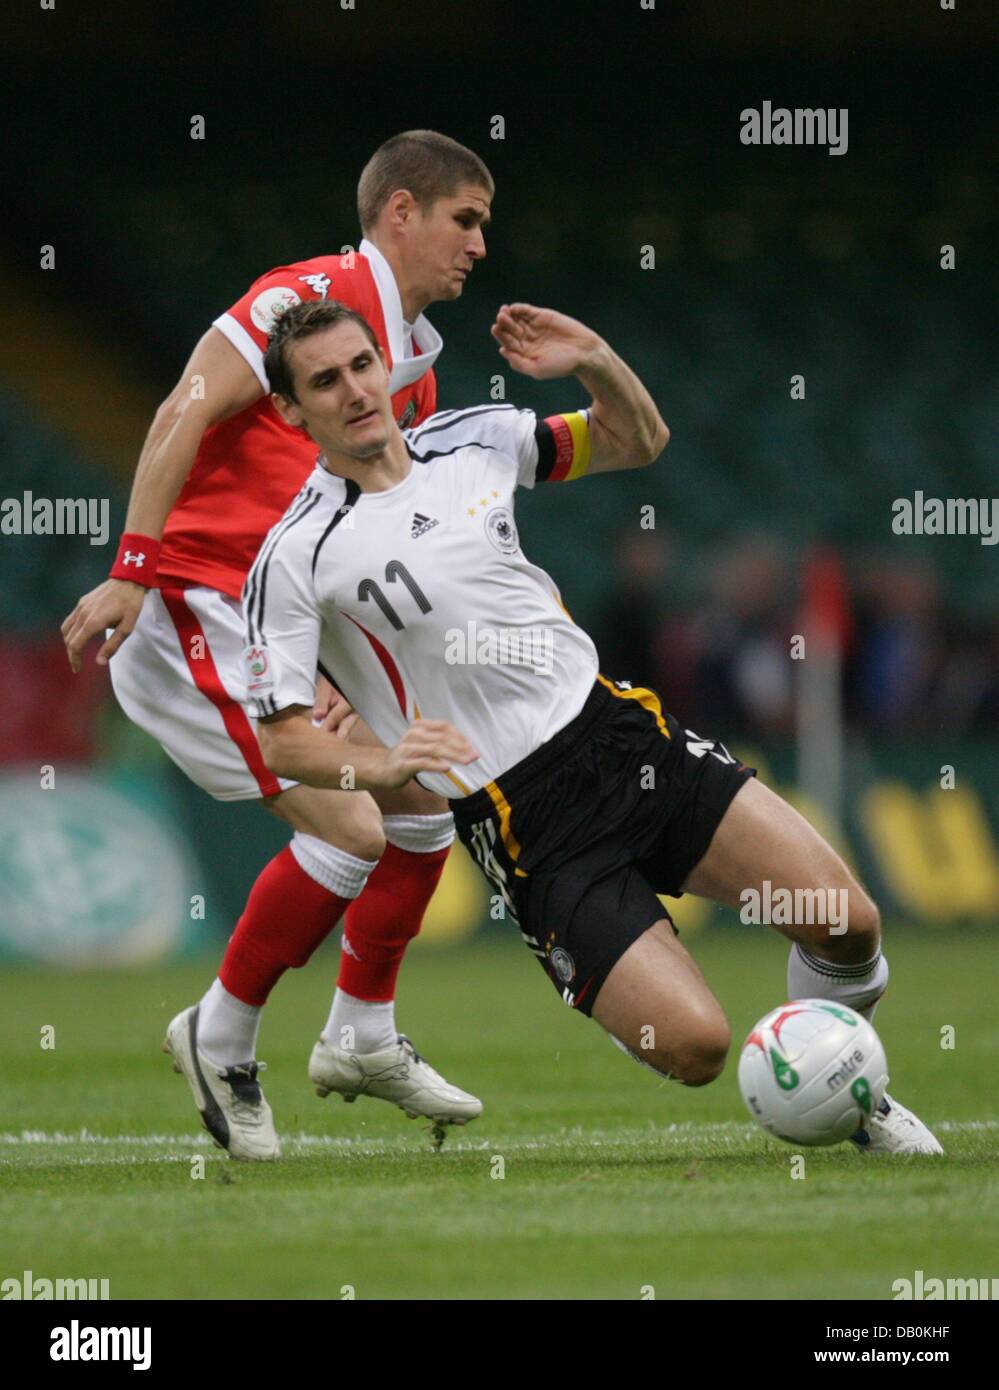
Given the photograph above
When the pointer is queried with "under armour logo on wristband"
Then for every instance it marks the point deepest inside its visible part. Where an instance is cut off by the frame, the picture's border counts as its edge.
(137, 559)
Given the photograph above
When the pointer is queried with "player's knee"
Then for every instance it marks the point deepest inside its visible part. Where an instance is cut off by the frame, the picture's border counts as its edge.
(859, 928)
(848, 926)
(353, 824)
(868, 921)
(360, 833)
(698, 1058)
(704, 1060)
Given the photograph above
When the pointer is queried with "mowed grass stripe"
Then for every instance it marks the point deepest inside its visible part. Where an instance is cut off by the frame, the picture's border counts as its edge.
(611, 1180)
(681, 1132)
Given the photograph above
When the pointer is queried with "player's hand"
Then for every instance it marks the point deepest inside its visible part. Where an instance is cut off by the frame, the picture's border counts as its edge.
(116, 603)
(428, 745)
(543, 343)
(336, 712)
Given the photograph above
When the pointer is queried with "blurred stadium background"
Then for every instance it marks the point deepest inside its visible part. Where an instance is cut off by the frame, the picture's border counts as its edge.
(772, 515)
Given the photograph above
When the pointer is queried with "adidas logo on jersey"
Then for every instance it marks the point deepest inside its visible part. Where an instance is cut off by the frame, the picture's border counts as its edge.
(421, 525)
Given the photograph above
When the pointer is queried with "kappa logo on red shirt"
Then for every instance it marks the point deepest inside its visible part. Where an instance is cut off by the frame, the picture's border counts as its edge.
(319, 284)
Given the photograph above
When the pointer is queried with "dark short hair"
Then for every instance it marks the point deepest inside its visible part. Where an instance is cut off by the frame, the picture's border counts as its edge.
(428, 164)
(301, 321)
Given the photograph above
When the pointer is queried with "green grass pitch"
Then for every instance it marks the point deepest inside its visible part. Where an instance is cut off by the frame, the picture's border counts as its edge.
(615, 1185)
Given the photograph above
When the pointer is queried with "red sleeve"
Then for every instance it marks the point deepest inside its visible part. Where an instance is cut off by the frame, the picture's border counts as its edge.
(248, 323)
(430, 405)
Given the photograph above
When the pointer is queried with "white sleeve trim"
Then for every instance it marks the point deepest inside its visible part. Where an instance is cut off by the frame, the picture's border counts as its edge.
(236, 334)
(528, 453)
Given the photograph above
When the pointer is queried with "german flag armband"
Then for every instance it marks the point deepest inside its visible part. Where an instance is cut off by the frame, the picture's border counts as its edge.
(563, 447)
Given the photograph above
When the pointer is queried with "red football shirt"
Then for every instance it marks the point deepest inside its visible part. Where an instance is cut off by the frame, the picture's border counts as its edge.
(249, 467)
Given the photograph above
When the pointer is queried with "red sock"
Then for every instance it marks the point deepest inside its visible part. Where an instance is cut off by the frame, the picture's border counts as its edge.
(287, 915)
(381, 923)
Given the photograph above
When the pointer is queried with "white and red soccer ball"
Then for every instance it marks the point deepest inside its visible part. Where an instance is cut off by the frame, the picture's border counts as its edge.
(812, 1072)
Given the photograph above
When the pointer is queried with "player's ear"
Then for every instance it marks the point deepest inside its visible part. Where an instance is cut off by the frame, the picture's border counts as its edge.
(400, 207)
(290, 411)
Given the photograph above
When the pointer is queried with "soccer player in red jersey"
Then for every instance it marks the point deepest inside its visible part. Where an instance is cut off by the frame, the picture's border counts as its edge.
(218, 469)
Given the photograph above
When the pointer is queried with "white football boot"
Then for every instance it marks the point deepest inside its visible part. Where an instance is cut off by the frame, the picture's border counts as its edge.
(230, 1100)
(397, 1074)
(894, 1130)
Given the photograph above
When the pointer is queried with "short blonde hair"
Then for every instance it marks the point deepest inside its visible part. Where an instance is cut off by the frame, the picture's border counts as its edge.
(428, 164)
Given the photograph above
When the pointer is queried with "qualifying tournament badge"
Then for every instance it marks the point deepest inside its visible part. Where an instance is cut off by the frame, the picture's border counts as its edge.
(270, 304)
(258, 669)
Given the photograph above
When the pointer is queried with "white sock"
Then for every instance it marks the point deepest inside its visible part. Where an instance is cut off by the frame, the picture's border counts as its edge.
(227, 1028)
(859, 986)
(358, 1025)
(419, 834)
(342, 873)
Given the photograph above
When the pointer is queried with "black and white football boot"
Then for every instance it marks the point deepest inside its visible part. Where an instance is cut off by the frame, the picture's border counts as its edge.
(229, 1099)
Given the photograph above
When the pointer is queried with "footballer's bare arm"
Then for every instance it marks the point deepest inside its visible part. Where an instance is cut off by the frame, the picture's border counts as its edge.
(295, 748)
(626, 429)
(216, 383)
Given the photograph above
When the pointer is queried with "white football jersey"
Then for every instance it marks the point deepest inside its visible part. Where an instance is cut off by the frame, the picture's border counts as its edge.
(419, 602)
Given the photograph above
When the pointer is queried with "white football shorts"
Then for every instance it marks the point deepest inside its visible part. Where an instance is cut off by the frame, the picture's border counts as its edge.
(179, 676)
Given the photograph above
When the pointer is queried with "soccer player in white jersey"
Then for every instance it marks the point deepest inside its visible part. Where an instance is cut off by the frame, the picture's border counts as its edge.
(399, 564)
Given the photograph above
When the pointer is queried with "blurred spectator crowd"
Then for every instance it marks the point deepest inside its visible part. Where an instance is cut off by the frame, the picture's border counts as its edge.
(718, 646)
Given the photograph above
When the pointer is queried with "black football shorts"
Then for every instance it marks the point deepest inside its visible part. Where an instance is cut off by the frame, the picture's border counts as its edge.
(580, 837)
